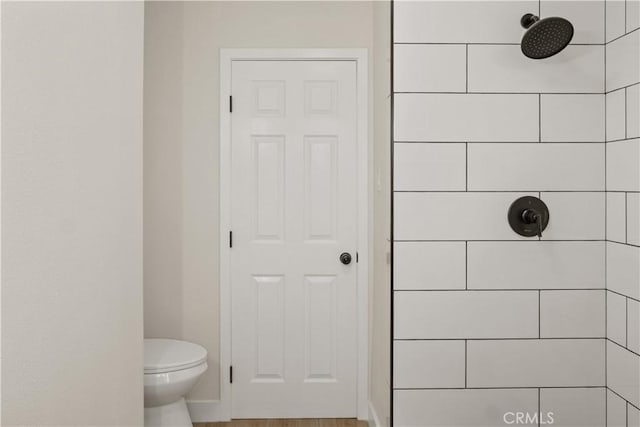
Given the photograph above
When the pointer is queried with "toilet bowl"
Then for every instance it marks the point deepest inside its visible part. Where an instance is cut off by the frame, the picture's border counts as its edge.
(171, 369)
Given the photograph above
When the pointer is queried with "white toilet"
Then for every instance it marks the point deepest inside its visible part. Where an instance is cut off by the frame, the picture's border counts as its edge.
(171, 369)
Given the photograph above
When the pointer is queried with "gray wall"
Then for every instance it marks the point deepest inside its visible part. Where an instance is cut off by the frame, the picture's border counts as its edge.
(380, 298)
(72, 213)
(182, 42)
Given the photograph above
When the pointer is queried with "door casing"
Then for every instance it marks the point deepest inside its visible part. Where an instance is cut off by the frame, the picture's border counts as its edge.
(221, 411)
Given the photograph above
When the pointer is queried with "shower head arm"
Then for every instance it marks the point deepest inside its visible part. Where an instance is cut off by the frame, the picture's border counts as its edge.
(528, 20)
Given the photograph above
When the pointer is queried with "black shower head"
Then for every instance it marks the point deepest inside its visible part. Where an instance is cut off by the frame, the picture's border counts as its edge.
(545, 37)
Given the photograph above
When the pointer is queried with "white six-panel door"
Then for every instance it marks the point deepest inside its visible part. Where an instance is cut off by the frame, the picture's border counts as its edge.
(294, 211)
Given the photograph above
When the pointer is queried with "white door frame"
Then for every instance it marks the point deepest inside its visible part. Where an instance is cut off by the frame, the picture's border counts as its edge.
(227, 56)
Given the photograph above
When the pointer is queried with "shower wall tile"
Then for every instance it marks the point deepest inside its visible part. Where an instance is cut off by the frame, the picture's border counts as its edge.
(587, 18)
(503, 68)
(572, 314)
(536, 265)
(429, 364)
(536, 363)
(572, 118)
(466, 117)
(616, 115)
(454, 216)
(517, 167)
(633, 325)
(633, 111)
(616, 216)
(623, 372)
(572, 407)
(429, 265)
(633, 218)
(433, 166)
(623, 269)
(455, 408)
(462, 314)
(615, 19)
(459, 21)
(564, 224)
(430, 68)
(623, 167)
(617, 318)
(477, 125)
(616, 410)
(633, 15)
(623, 61)
(633, 415)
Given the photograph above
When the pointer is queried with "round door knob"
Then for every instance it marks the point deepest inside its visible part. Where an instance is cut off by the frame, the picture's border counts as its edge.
(345, 258)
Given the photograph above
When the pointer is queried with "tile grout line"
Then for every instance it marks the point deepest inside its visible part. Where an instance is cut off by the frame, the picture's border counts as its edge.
(606, 304)
(539, 408)
(626, 136)
(539, 117)
(466, 170)
(539, 315)
(626, 323)
(466, 367)
(626, 219)
(467, 68)
(466, 265)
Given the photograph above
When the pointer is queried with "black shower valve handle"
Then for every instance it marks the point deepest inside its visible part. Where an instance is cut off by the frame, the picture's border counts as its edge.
(532, 216)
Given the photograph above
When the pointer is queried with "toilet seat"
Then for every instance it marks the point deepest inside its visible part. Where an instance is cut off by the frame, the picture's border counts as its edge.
(167, 355)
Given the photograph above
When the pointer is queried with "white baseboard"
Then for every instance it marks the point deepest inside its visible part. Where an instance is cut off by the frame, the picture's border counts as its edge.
(207, 411)
(374, 421)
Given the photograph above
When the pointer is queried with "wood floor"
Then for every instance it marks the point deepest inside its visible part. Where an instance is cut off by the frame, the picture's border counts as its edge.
(310, 422)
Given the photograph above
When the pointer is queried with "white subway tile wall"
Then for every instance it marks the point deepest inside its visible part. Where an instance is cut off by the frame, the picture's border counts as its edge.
(633, 416)
(575, 407)
(430, 68)
(566, 225)
(568, 314)
(616, 115)
(423, 167)
(633, 111)
(632, 220)
(462, 408)
(633, 15)
(535, 363)
(466, 117)
(587, 18)
(616, 410)
(622, 61)
(617, 318)
(477, 125)
(623, 269)
(463, 314)
(623, 221)
(623, 373)
(615, 19)
(572, 118)
(623, 168)
(442, 364)
(429, 265)
(616, 216)
(536, 265)
(633, 325)
(518, 167)
(453, 216)
(503, 68)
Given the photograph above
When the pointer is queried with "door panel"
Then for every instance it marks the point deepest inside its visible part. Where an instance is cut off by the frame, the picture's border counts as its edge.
(294, 343)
